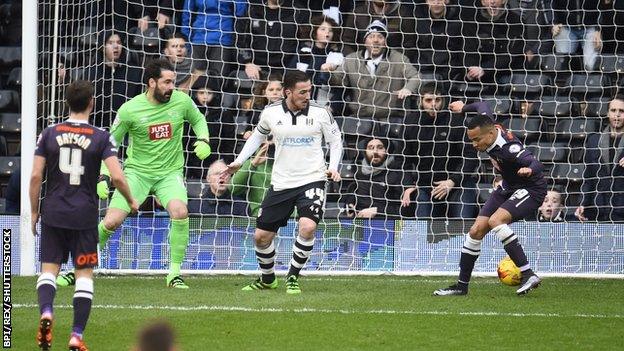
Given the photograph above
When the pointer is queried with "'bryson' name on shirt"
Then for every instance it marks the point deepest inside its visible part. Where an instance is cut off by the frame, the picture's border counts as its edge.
(73, 138)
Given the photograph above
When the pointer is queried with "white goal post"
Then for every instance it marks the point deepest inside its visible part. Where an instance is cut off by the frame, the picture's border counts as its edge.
(550, 111)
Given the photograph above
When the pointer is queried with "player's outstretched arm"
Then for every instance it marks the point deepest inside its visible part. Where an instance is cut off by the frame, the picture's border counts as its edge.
(479, 107)
(251, 145)
(200, 127)
(333, 136)
(36, 178)
(119, 181)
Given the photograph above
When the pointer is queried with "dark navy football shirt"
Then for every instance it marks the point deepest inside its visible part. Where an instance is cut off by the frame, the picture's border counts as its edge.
(508, 155)
(74, 151)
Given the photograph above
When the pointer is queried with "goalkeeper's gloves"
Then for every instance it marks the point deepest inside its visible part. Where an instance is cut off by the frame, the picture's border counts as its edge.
(102, 186)
(202, 148)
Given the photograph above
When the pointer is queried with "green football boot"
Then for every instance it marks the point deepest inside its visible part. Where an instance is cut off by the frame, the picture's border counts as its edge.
(258, 284)
(292, 285)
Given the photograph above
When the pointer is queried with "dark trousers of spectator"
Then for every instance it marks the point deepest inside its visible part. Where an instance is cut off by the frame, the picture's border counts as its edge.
(459, 203)
(611, 213)
(213, 57)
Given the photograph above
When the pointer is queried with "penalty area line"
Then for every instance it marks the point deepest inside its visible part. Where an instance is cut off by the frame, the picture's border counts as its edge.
(334, 311)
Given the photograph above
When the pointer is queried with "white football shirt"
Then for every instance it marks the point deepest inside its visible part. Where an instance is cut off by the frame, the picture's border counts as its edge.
(298, 137)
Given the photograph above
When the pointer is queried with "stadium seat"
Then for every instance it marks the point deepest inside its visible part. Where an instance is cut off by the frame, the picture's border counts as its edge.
(584, 85)
(499, 104)
(531, 83)
(550, 152)
(148, 40)
(596, 108)
(10, 122)
(438, 81)
(347, 171)
(88, 36)
(9, 100)
(555, 63)
(527, 107)
(4, 151)
(576, 128)
(568, 172)
(612, 64)
(524, 128)
(391, 129)
(555, 107)
(10, 57)
(350, 151)
(556, 66)
(194, 188)
(238, 82)
(459, 88)
(355, 126)
(229, 100)
(8, 165)
(15, 78)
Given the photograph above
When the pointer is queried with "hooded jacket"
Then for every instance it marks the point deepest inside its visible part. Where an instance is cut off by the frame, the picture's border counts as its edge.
(372, 95)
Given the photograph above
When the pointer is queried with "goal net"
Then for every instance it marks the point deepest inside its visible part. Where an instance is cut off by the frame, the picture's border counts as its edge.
(548, 78)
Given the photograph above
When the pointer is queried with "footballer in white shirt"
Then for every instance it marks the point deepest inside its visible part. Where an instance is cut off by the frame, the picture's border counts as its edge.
(299, 175)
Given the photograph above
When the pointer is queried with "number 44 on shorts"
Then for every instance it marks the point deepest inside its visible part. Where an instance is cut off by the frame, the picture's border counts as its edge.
(316, 194)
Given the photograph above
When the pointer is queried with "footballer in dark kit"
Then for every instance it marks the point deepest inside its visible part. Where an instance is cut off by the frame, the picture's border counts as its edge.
(521, 193)
(69, 156)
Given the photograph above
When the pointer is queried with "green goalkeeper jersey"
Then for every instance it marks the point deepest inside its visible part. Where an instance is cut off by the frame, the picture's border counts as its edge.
(155, 132)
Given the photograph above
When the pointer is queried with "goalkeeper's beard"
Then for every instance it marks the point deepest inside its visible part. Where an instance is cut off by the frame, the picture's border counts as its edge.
(162, 97)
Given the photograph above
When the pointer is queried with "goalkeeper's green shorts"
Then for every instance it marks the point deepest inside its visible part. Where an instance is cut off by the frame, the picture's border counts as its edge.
(165, 188)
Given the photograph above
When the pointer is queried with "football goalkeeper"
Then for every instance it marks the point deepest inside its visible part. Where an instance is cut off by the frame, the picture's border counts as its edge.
(154, 122)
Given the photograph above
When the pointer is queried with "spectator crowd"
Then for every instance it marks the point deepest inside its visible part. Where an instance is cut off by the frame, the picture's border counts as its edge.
(387, 70)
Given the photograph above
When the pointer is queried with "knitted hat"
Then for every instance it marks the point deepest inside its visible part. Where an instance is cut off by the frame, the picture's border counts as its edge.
(377, 26)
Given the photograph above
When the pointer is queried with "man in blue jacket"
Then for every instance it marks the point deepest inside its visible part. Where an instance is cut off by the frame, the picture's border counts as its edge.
(209, 27)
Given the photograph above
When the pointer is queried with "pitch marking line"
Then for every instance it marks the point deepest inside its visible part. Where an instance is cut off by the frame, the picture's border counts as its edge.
(330, 311)
(314, 279)
(414, 280)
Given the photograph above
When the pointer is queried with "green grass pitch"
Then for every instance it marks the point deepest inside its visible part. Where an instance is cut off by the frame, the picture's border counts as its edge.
(338, 313)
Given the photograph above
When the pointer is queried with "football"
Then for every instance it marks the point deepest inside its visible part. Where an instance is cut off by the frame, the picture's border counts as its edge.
(508, 272)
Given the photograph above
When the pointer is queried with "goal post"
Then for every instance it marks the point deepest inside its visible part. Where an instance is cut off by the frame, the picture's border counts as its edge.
(27, 262)
(550, 107)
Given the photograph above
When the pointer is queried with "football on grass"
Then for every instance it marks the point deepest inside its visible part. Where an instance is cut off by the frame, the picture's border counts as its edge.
(508, 272)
